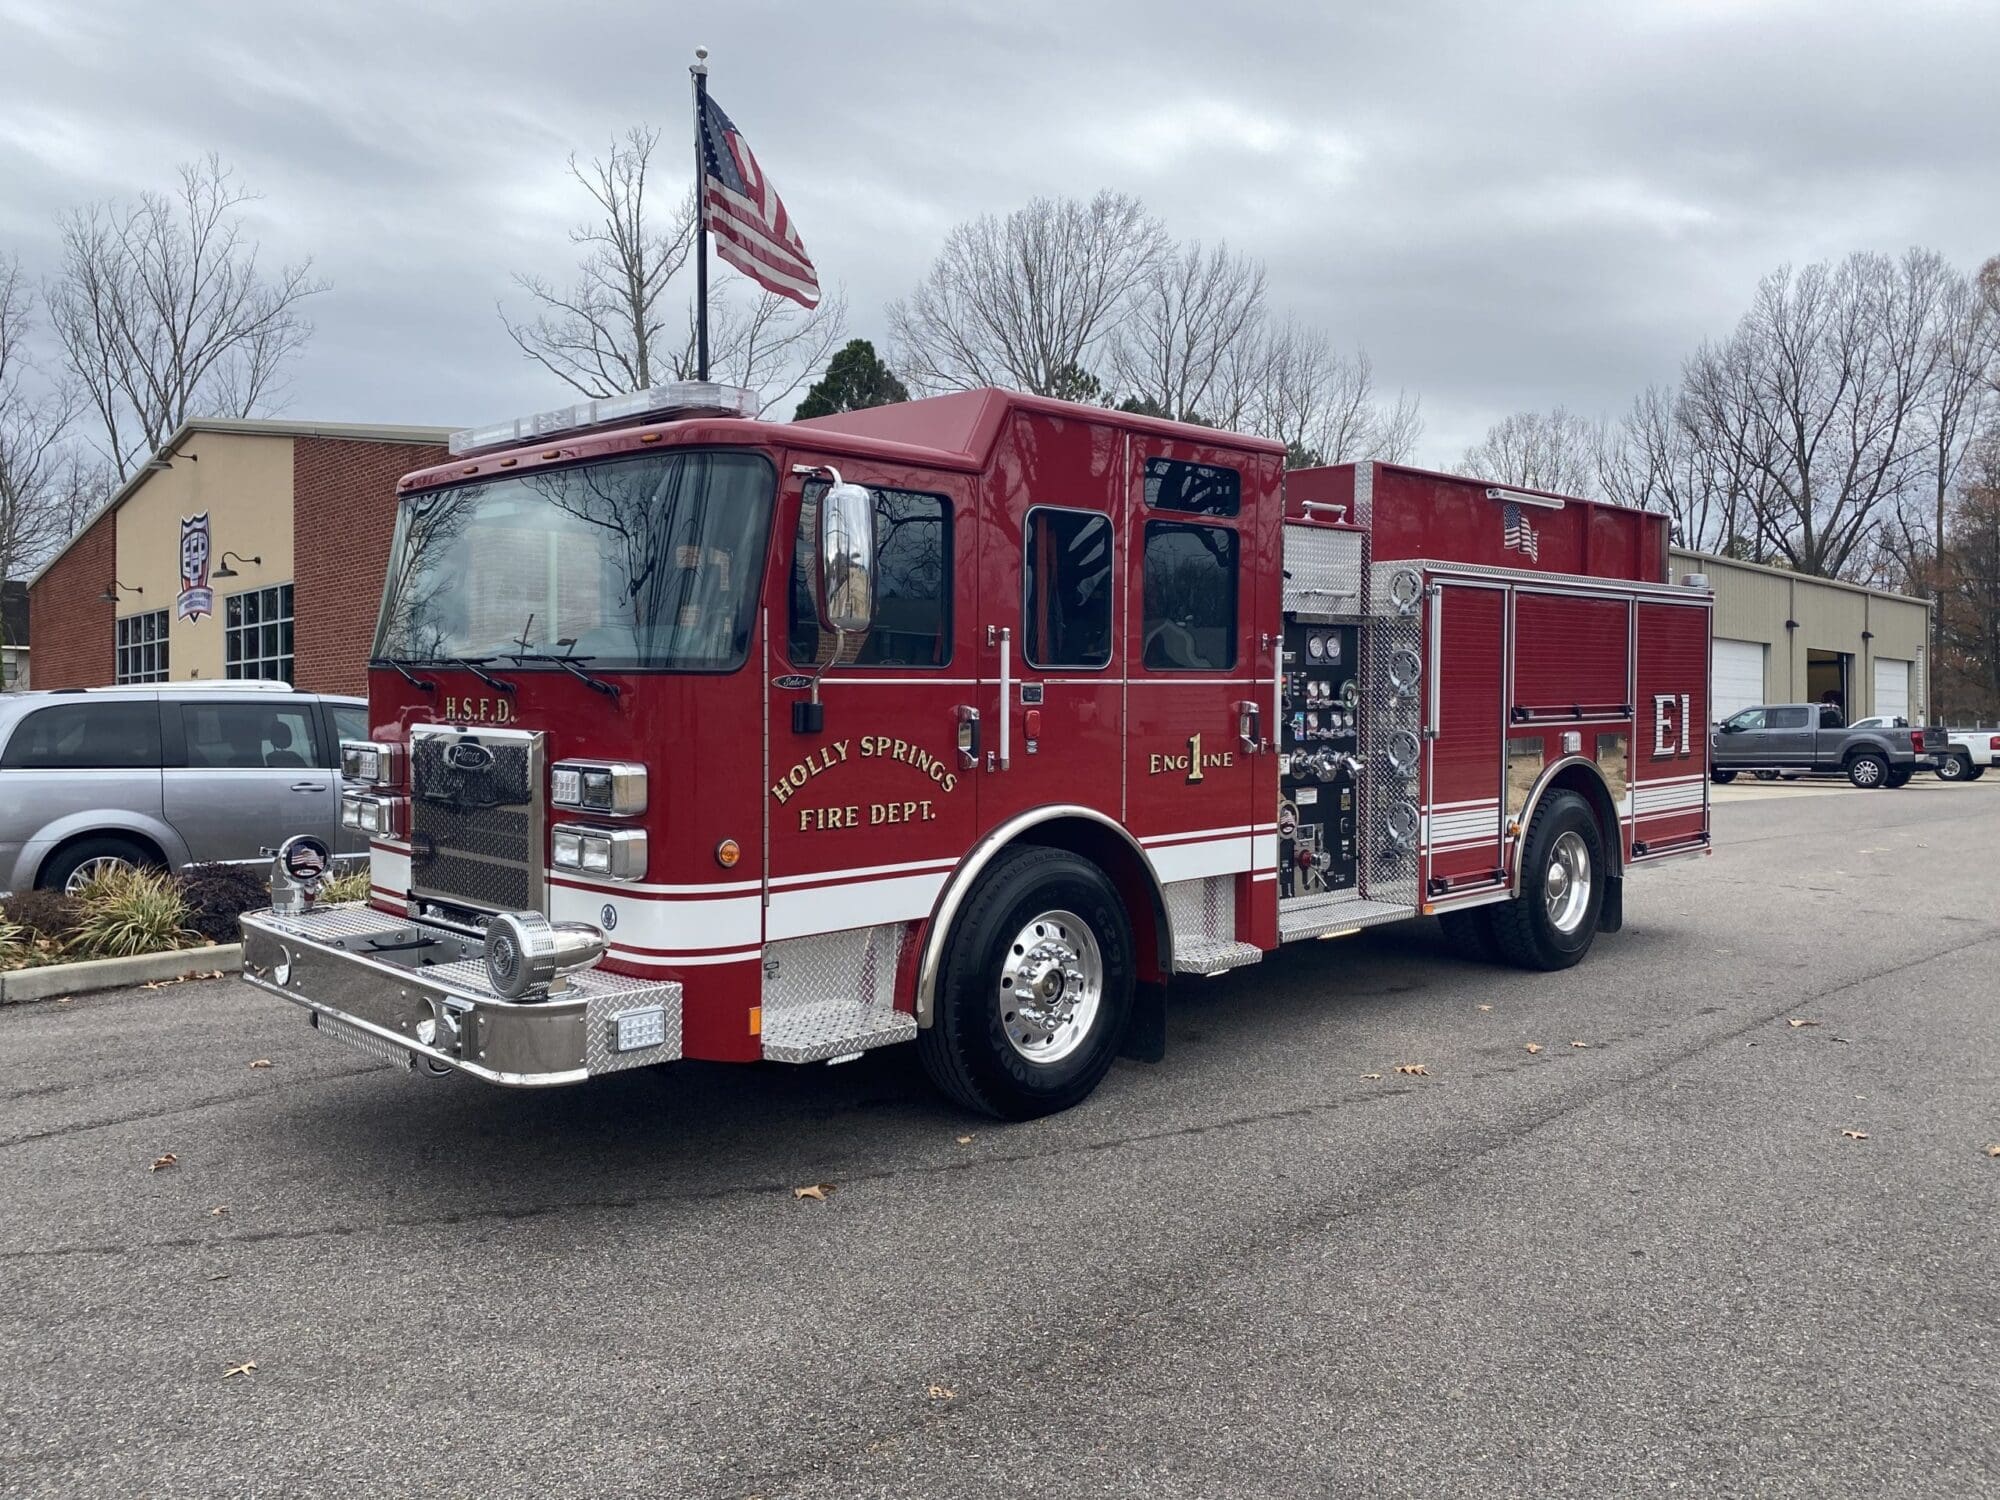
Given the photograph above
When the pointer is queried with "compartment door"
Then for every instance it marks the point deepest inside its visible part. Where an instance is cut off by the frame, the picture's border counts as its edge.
(1464, 814)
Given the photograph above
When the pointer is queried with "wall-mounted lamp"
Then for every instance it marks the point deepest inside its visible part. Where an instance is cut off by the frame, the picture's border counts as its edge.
(1867, 635)
(110, 594)
(159, 465)
(1791, 624)
(225, 571)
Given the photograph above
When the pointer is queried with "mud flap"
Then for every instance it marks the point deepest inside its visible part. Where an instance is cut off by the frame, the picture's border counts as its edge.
(1611, 915)
(1145, 1038)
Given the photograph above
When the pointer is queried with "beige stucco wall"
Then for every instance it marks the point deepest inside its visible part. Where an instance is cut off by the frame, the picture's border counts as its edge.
(1753, 603)
(245, 485)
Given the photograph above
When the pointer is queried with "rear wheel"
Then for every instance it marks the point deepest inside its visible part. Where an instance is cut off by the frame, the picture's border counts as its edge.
(1868, 771)
(1955, 768)
(1035, 988)
(1469, 934)
(1722, 778)
(1975, 773)
(1900, 778)
(1553, 922)
(74, 867)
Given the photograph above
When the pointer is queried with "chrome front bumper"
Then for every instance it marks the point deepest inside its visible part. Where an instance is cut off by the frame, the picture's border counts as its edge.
(413, 994)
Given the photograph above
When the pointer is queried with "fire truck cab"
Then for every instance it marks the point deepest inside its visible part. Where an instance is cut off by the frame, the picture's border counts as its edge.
(969, 721)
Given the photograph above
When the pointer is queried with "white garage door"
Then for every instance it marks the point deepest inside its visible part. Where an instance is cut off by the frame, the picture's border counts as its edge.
(1739, 676)
(1892, 687)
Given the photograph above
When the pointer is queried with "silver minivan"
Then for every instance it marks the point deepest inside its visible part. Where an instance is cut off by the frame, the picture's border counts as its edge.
(169, 774)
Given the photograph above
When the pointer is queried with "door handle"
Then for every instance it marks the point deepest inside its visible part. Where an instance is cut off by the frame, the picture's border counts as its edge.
(308, 786)
(1249, 724)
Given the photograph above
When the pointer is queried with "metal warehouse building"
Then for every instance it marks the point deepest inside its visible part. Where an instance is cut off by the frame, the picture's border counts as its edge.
(1786, 638)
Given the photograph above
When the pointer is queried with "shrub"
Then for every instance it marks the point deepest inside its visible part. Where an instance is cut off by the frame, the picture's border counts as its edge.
(217, 895)
(16, 944)
(347, 884)
(48, 915)
(123, 912)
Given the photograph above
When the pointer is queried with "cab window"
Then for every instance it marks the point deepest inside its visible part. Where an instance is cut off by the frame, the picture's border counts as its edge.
(912, 582)
(1750, 718)
(1200, 489)
(1788, 718)
(1066, 589)
(1190, 620)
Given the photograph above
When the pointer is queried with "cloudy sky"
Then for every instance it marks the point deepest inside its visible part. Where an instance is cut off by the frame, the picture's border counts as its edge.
(1507, 205)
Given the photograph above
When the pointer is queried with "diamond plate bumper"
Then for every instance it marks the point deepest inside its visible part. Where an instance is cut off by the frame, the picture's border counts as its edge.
(399, 988)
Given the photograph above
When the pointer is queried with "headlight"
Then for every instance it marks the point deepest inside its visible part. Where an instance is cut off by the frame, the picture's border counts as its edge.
(617, 853)
(368, 814)
(615, 787)
(364, 760)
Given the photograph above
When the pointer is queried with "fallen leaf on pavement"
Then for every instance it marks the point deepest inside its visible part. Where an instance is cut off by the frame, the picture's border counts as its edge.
(965, 1140)
(1417, 1070)
(1579, 1044)
(1855, 1135)
(243, 1369)
(816, 1191)
(161, 1162)
(1371, 1077)
(261, 1062)
(1534, 1046)
(1797, 1021)
(1486, 1007)
(218, 1211)
(942, 1393)
(1993, 1150)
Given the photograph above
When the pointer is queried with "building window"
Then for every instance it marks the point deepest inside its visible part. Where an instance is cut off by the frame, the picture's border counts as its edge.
(1066, 577)
(912, 582)
(1190, 619)
(257, 634)
(142, 647)
(1202, 489)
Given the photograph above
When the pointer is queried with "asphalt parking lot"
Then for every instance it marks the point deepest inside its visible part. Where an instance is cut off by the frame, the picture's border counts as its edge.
(1688, 1247)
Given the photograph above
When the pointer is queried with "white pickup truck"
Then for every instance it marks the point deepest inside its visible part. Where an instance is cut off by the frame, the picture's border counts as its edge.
(1971, 751)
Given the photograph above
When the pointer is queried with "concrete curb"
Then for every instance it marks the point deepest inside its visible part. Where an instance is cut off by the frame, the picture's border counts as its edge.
(18, 986)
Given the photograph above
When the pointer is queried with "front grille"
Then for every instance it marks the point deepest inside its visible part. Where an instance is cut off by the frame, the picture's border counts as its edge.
(476, 817)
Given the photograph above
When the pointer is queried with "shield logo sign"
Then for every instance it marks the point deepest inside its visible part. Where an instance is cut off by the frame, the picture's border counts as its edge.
(196, 597)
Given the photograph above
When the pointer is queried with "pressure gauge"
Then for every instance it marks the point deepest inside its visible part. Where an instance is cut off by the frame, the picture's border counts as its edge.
(1315, 646)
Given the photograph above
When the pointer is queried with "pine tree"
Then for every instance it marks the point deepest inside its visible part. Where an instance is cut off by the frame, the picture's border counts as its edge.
(855, 378)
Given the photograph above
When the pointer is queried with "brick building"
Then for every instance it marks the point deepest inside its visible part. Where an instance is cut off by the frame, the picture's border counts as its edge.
(245, 548)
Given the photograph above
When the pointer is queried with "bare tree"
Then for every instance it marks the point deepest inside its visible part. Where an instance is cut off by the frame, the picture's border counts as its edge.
(163, 313)
(1557, 450)
(1028, 301)
(38, 472)
(1183, 319)
(1322, 405)
(627, 320)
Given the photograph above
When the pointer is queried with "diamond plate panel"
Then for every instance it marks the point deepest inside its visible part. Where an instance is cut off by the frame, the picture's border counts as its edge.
(1203, 914)
(600, 1028)
(1324, 571)
(380, 1048)
(834, 993)
(1387, 874)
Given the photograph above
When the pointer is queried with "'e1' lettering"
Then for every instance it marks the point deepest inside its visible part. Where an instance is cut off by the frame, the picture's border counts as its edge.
(1664, 705)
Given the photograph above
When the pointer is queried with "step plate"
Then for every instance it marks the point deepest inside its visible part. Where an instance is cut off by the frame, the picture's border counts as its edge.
(1315, 916)
(832, 1028)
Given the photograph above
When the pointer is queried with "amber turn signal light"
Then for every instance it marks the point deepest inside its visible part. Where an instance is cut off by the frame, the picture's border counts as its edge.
(727, 853)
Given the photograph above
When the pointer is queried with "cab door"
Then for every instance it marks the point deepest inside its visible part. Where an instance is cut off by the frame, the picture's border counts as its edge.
(1198, 692)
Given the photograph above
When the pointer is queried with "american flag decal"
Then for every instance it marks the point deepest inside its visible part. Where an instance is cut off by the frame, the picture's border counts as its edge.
(752, 230)
(1516, 535)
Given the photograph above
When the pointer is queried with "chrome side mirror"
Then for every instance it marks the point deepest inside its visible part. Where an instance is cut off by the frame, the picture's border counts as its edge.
(846, 582)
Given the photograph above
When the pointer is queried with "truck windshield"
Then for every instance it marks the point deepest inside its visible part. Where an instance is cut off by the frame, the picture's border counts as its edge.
(629, 564)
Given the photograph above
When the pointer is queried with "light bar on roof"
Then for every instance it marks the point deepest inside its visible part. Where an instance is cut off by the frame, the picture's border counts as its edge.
(1522, 497)
(680, 398)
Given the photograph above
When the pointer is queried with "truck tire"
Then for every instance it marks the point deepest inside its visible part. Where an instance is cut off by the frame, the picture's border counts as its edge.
(1722, 778)
(1975, 773)
(1035, 987)
(1868, 770)
(1955, 768)
(1553, 922)
(75, 864)
(1899, 777)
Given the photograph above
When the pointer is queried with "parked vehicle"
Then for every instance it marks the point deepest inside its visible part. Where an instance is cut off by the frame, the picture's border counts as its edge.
(967, 722)
(165, 775)
(1974, 753)
(1954, 759)
(1814, 739)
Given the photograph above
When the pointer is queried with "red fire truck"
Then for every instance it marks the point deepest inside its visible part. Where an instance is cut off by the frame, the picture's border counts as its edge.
(969, 721)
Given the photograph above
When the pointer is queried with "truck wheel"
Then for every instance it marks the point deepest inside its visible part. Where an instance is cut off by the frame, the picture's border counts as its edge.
(1955, 768)
(1767, 775)
(1552, 923)
(1975, 773)
(1035, 987)
(1868, 770)
(1722, 778)
(76, 866)
(1899, 778)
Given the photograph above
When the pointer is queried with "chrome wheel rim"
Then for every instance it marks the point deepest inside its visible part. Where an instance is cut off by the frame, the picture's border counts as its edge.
(91, 869)
(1051, 986)
(1867, 772)
(1566, 883)
(1952, 769)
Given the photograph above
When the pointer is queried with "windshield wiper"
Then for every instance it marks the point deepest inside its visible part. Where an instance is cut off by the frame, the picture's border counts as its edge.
(574, 666)
(403, 672)
(471, 664)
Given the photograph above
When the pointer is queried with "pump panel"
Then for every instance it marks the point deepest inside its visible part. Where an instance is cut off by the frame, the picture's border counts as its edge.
(1316, 808)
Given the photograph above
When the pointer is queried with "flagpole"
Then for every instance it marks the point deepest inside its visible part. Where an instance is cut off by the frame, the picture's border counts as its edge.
(700, 74)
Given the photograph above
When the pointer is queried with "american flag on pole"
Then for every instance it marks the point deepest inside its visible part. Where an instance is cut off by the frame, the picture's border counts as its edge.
(752, 230)
(1516, 534)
